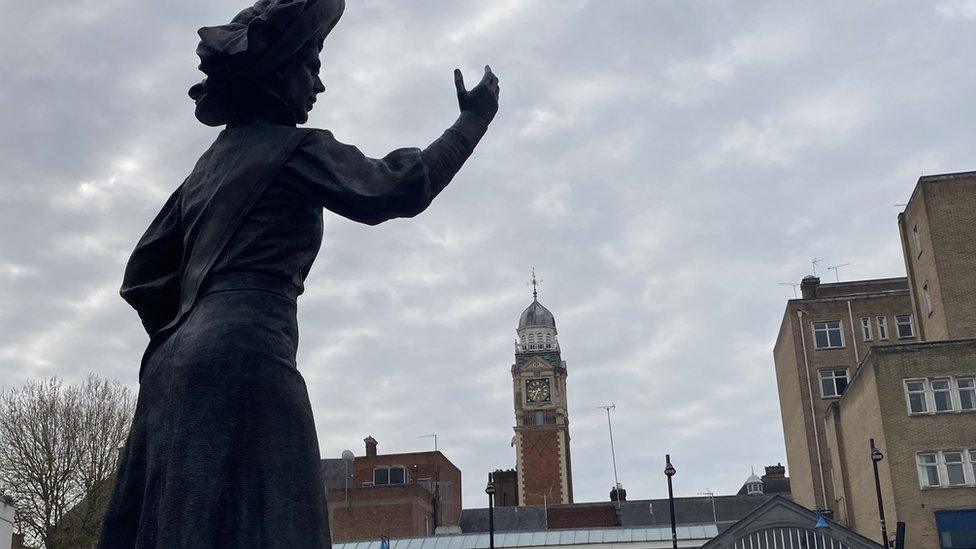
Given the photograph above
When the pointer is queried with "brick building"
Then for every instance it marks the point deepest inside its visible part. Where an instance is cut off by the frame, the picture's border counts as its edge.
(394, 495)
(892, 360)
(937, 234)
(822, 338)
(543, 463)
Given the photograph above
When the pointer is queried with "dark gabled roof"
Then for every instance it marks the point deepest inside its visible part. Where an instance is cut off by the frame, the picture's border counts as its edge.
(507, 519)
(536, 315)
(636, 513)
(784, 517)
(771, 485)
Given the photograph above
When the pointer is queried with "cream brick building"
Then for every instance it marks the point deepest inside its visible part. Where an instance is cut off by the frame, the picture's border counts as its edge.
(893, 360)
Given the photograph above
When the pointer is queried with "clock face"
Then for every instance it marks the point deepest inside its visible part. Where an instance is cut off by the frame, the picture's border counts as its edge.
(537, 390)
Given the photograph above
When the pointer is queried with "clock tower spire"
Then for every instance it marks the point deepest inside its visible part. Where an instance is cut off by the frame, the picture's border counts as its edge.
(541, 419)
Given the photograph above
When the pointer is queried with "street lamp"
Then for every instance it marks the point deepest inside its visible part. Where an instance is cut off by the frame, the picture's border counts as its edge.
(877, 456)
(670, 471)
(490, 490)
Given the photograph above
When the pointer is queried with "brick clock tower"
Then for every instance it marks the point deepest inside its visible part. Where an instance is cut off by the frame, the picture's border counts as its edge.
(541, 420)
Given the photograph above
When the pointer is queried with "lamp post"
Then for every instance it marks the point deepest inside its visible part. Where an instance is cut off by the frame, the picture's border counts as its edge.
(670, 471)
(877, 456)
(490, 490)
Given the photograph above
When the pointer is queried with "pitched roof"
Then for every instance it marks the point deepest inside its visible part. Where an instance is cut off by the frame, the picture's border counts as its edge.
(782, 518)
(721, 510)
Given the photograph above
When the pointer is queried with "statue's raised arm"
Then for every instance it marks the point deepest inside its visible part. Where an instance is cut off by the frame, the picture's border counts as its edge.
(222, 451)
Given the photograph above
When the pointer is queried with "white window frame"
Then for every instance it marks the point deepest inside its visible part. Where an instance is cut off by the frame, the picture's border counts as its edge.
(921, 470)
(827, 330)
(833, 378)
(866, 331)
(899, 324)
(970, 389)
(964, 464)
(955, 390)
(925, 396)
(968, 468)
(882, 327)
(948, 390)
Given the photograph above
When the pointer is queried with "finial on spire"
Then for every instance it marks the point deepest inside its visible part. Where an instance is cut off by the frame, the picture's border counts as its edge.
(535, 285)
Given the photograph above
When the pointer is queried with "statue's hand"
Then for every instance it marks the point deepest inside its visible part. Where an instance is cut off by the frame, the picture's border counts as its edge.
(482, 99)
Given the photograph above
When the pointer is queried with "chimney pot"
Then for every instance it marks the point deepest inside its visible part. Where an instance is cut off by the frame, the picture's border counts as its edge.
(775, 471)
(808, 286)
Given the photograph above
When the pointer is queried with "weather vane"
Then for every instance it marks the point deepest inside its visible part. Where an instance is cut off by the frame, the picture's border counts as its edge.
(535, 285)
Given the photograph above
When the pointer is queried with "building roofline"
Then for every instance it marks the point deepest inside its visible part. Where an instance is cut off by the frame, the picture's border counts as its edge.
(944, 176)
(860, 295)
(550, 537)
(932, 179)
(894, 348)
(412, 454)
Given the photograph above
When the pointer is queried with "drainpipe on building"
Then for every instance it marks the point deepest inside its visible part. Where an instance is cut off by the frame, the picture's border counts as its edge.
(850, 314)
(813, 410)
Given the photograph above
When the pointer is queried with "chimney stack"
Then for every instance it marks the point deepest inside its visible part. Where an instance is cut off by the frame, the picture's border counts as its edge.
(370, 446)
(808, 286)
(775, 471)
(618, 492)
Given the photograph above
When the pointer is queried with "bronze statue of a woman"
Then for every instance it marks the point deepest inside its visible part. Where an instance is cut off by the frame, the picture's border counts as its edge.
(223, 450)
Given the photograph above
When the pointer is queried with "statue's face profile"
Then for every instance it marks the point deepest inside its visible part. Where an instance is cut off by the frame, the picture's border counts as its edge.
(298, 81)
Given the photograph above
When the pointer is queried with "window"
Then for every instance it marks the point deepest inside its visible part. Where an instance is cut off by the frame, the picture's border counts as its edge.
(383, 476)
(827, 334)
(882, 328)
(917, 241)
(904, 325)
(915, 388)
(754, 488)
(832, 382)
(927, 296)
(942, 396)
(947, 468)
(928, 469)
(967, 392)
(866, 328)
(955, 472)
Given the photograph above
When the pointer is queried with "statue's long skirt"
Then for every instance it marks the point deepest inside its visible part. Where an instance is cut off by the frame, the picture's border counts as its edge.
(222, 451)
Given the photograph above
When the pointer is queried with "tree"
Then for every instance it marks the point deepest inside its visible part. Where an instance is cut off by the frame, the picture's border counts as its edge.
(58, 444)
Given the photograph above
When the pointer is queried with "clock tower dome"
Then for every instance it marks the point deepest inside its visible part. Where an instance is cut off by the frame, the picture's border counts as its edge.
(541, 419)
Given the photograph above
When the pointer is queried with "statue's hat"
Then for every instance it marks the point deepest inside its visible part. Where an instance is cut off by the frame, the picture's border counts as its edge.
(255, 43)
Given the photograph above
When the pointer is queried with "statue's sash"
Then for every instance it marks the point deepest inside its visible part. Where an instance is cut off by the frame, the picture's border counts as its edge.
(260, 152)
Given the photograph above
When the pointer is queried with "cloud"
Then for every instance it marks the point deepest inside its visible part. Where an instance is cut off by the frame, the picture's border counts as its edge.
(664, 166)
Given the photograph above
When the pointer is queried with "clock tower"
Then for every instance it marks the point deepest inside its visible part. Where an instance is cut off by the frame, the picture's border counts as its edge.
(541, 419)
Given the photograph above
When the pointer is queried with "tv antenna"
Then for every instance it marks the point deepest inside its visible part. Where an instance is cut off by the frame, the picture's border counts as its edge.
(432, 435)
(711, 498)
(794, 284)
(814, 261)
(836, 269)
(616, 483)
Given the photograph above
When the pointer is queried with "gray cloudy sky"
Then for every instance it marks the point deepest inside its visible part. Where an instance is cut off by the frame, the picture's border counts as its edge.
(662, 164)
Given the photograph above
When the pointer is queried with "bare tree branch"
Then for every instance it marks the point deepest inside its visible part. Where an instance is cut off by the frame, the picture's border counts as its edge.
(57, 445)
